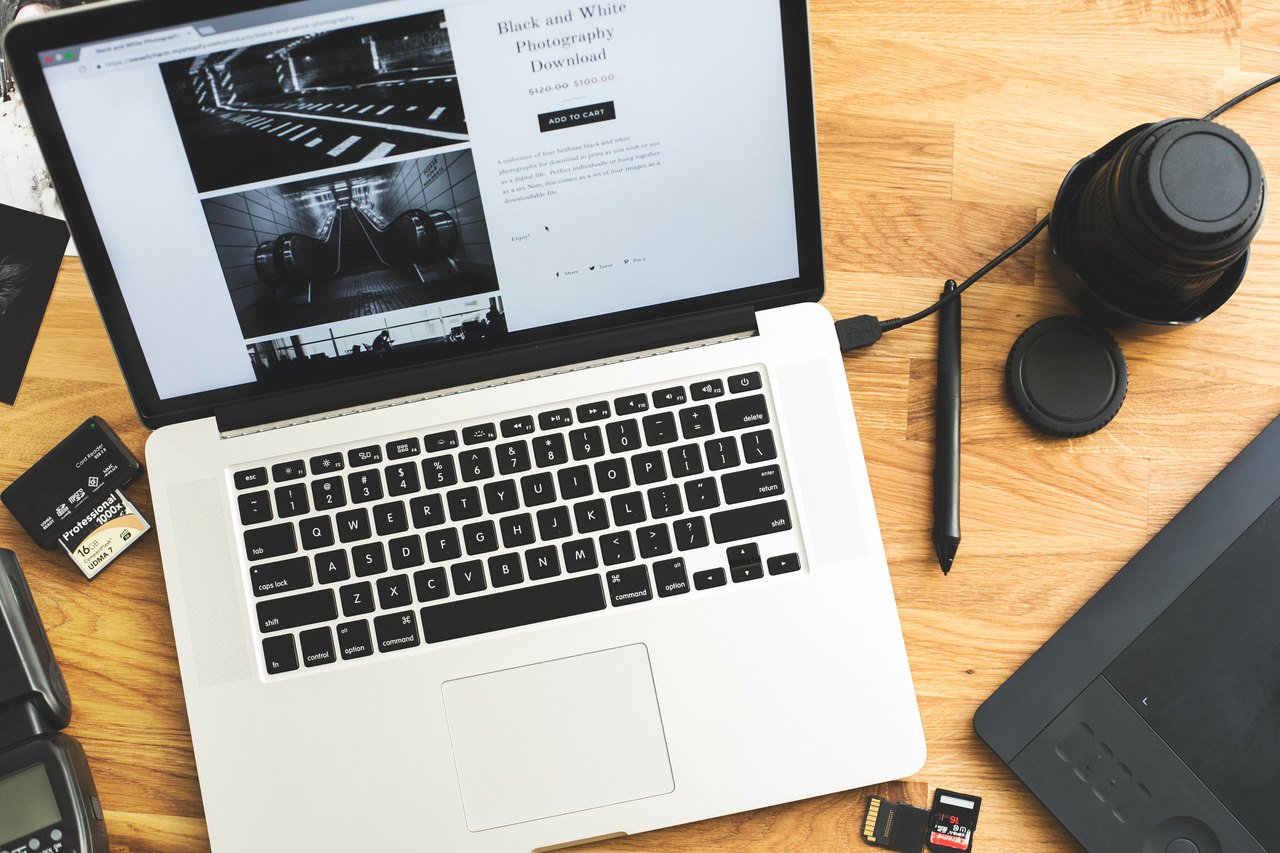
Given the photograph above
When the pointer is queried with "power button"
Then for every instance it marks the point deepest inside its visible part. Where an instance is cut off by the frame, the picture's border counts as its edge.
(1182, 845)
(96, 805)
(744, 382)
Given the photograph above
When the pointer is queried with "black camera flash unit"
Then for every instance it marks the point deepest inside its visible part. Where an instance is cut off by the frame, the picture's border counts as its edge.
(48, 801)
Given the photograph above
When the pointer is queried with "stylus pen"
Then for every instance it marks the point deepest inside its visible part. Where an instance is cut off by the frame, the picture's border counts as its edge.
(946, 448)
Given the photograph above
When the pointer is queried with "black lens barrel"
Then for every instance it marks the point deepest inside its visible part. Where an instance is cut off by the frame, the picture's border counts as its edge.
(1160, 222)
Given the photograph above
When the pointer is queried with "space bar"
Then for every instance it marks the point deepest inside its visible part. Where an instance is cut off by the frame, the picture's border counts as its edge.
(467, 617)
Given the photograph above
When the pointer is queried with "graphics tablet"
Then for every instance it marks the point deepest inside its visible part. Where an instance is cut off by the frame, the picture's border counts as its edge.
(1150, 723)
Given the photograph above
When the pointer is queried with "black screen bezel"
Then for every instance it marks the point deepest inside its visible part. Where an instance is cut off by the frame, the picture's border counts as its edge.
(25, 41)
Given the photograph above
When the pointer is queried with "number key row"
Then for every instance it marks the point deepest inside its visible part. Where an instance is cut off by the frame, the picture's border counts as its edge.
(402, 448)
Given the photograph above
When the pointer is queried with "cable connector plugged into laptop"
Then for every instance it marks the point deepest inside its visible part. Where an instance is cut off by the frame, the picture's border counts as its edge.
(858, 332)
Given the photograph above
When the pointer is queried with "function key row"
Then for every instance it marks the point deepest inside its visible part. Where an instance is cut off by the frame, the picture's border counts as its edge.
(512, 427)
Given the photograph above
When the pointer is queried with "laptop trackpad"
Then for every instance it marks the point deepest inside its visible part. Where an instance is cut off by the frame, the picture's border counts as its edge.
(557, 737)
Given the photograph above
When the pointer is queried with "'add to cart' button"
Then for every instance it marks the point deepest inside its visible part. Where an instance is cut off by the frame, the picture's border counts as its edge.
(590, 114)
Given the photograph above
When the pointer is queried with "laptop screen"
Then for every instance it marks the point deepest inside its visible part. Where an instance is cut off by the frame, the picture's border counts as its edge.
(321, 189)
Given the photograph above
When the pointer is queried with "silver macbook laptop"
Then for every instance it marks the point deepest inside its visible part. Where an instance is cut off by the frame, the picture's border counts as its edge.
(508, 489)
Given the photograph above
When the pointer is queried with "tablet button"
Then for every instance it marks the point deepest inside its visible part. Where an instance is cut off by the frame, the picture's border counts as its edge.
(1182, 834)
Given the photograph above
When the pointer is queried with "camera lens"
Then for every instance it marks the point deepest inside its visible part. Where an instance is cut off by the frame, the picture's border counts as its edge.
(1172, 210)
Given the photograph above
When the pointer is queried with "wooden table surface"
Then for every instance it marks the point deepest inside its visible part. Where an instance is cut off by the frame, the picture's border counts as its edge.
(944, 129)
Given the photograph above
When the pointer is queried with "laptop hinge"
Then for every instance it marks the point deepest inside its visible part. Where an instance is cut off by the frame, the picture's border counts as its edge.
(467, 372)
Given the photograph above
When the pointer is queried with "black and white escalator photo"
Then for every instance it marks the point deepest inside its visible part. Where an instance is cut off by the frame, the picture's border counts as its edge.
(358, 244)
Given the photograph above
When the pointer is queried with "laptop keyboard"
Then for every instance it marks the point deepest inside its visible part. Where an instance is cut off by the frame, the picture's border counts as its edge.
(422, 539)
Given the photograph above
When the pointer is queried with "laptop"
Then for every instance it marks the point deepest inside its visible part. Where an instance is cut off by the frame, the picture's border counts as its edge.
(508, 488)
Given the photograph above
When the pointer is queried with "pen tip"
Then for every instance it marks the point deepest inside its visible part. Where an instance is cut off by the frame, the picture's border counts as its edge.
(946, 554)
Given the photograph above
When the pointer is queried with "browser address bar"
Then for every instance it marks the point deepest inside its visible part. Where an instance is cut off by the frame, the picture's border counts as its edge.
(158, 47)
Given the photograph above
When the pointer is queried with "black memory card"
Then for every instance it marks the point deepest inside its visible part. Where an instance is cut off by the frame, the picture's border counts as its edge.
(952, 822)
(55, 494)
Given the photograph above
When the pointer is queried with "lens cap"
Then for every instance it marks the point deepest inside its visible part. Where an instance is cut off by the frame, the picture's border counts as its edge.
(1067, 376)
(1201, 187)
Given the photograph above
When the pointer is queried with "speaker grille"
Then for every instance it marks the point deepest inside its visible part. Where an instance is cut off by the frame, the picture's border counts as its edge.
(210, 589)
(830, 504)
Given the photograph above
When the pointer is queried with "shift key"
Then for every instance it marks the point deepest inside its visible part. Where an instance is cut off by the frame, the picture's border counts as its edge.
(281, 614)
(750, 521)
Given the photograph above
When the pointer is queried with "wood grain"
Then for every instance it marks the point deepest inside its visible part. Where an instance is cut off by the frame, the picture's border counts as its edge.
(944, 130)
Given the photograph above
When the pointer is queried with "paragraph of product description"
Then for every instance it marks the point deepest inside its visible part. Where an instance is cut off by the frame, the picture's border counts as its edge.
(545, 173)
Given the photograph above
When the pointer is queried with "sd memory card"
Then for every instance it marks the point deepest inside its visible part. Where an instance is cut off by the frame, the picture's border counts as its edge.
(72, 484)
(895, 826)
(953, 821)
